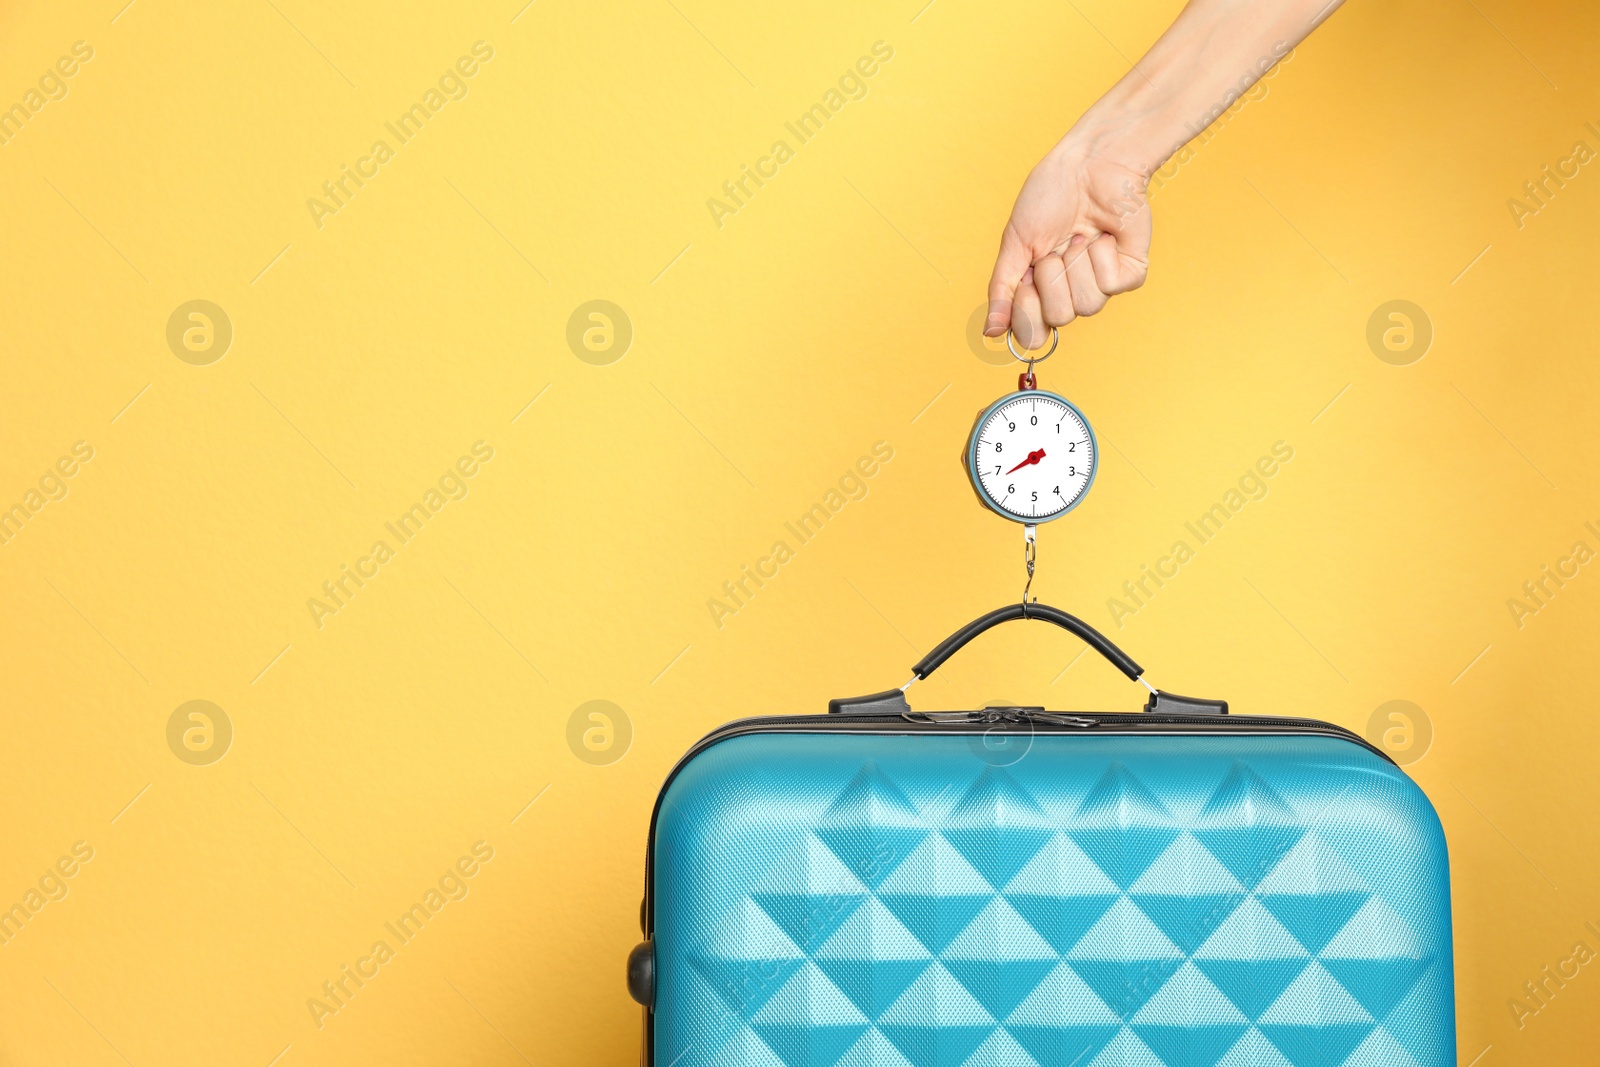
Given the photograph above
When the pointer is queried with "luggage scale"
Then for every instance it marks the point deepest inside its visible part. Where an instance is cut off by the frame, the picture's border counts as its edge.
(1031, 456)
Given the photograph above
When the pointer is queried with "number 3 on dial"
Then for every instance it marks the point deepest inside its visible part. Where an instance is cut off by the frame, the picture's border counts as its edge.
(1031, 456)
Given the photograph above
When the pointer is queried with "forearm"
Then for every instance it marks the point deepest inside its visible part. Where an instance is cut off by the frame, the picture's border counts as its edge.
(1207, 59)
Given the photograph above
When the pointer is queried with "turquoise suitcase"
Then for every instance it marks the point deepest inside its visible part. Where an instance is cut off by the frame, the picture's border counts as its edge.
(1179, 887)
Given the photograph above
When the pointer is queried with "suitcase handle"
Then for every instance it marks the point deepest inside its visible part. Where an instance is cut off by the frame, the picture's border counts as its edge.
(1094, 638)
(893, 701)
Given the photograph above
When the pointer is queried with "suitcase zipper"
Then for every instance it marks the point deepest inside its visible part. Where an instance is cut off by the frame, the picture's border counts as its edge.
(939, 721)
(991, 716)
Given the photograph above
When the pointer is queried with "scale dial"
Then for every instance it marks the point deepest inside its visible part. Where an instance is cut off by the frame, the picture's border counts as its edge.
(1032, 456)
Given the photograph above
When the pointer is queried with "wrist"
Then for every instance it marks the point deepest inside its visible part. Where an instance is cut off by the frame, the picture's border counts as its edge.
(1096, 142)
(1108, 134)
(1134, 126)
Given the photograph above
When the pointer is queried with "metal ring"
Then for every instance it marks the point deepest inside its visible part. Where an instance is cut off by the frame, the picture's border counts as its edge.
(1055, 339)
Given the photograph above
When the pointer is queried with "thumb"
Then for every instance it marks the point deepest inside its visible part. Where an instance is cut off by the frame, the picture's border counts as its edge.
(1009, 266)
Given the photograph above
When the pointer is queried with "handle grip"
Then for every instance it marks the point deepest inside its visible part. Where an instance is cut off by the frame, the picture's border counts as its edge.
(1044, 612)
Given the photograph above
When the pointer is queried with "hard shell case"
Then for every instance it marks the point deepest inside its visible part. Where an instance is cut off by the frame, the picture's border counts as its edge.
(1177, 888)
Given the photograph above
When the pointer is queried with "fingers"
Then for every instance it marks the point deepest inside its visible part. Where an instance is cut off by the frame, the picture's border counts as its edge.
(1026, 296)
(1027, 320)
(1055, 294)
(1087, 297)
(1066, 284)
(1122, 260)
(1009, 267)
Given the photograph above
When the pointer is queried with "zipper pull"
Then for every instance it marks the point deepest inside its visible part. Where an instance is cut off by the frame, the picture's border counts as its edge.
(1057, 719)
(1023, 716)
(954, 717)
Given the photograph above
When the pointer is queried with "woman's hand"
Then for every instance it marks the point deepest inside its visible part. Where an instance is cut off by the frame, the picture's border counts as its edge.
(1078, 235)
(1080, 230)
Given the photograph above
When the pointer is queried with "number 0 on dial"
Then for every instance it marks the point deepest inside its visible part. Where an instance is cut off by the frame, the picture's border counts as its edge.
(1032, 456)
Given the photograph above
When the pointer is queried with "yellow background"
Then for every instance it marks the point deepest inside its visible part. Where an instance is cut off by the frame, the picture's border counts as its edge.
(768, 355)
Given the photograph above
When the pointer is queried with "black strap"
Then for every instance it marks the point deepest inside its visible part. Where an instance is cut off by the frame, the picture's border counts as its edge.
(1044, 612)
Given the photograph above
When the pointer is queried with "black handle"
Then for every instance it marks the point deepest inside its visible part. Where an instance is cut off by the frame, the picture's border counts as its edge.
(1095, 639)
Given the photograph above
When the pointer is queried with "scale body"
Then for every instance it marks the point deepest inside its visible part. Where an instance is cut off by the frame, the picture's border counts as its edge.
(1031, 456)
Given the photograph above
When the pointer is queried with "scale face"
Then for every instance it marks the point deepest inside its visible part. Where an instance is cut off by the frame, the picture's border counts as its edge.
(1031, 456)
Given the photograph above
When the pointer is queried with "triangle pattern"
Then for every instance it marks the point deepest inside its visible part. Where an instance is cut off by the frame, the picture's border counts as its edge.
(936, 1021)
(1122, 826)
(1250, 933)
(1067, 1043)
(1187, 866)
(871, 825)
(999, 958)
(938, 870)
(746, 959)
(1380, 1049)
(810, 867)
(1188, 920)
(809, 1021)
(1125, 958)
(808, 1046)
(1124, 932)
(809, 999)
(1316, 1022)
(1328, 1045)
(1252, 958)
(1125, 1050)
(1188, 998)
(1377, 957)
(1000, 1049)
(1379, 984)
(873, 1050)
(997, 826)
(1254, 1050)
(1315, 918)
(935, 892)
(905, 927)
(747, 932)
(1312, 867)
(1187, 892)
(1253, 985)
(1375, 930)
(1061, 892)
(1062, 1020)
(1247, 825)
(1189, 1023)
(1061, 868)
(744, 985)
(872, 933)
(809, 892)
(807, 919)
(1315, 997)
(1195, 1045)
(937, 997)
(1313, 892)
(872, 958)
(998, 933)
(1062, 999)
(744, 1049)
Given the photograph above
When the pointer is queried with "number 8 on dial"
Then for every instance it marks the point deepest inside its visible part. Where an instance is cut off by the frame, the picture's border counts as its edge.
(1031, 456)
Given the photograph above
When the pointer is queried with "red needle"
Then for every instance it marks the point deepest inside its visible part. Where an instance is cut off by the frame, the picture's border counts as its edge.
(1033, 457)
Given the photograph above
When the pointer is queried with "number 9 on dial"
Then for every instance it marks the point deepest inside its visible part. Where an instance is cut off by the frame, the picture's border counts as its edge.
(1031, 456)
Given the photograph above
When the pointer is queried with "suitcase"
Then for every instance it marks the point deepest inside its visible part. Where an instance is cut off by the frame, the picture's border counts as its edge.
(1177, 887)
